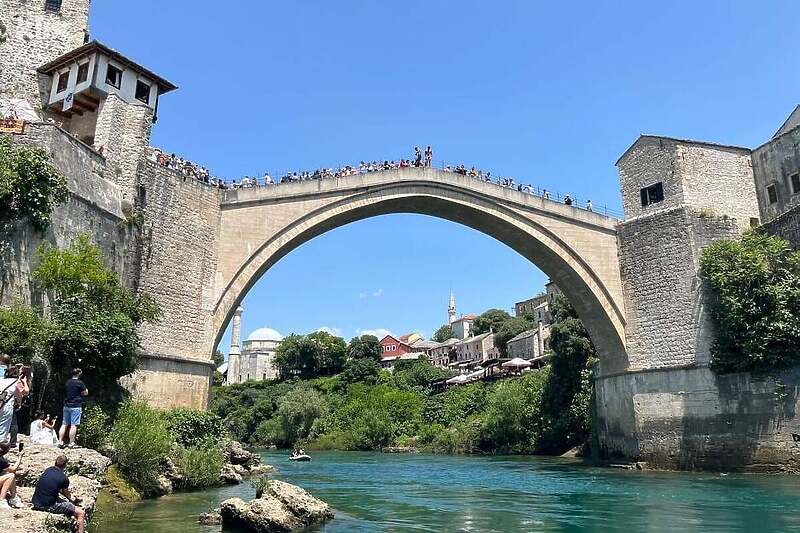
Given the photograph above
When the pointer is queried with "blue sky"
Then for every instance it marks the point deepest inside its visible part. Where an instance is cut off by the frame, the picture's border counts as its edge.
(550, 92)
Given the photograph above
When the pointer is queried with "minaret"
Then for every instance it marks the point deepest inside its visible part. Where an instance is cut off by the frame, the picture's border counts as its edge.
(234, 356)
(451, 308)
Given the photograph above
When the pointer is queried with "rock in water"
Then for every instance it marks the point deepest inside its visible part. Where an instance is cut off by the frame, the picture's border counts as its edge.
(282, 508)
(229, 476)
(300, 503)
(236, 454)
(211, 518)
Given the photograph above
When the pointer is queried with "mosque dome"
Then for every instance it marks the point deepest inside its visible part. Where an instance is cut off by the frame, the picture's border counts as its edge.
(265, 334)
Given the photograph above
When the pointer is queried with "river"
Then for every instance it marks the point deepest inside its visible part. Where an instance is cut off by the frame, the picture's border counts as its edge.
(388, 493)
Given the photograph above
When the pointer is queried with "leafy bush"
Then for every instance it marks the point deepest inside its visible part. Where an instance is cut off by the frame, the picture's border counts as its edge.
(192, 427)
(30, 186)
(141, 441)
(755, 302)
(95, 427)
(199, 465)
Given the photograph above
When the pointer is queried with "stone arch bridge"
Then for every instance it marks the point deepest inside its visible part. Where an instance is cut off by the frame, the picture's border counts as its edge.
(204, 248)
(575, 247)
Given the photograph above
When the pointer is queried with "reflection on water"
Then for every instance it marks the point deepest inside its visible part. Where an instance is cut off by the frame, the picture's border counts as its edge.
(385, 492)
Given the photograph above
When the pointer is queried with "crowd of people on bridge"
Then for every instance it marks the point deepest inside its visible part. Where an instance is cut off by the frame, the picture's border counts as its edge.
(421, 158)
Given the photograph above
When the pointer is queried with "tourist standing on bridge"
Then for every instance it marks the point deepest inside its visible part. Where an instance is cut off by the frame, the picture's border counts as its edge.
(589, 205)
(74, 392)
(428, 156)
(417, 157)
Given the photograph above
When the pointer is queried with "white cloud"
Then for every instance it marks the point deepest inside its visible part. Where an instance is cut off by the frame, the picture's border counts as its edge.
(378, 332)
(333, 331)
(377, 293)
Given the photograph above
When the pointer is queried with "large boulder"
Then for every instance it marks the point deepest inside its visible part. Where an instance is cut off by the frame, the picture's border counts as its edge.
(282, 508)
(308, 509)
(82, 461)
(260, 515)
(85, 468)
(235, 454)
(229, 475)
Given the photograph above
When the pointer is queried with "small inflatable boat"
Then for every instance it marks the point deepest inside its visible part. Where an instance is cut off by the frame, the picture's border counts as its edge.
(300, 457)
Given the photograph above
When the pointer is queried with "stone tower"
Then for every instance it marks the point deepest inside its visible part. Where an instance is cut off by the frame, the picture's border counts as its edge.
(33, 34)
(235, 354)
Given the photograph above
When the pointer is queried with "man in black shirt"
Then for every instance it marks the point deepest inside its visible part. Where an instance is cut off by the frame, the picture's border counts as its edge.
(52, 483)
(74, 391)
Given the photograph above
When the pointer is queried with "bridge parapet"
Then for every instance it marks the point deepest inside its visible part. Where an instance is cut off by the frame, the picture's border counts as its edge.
(299, 190)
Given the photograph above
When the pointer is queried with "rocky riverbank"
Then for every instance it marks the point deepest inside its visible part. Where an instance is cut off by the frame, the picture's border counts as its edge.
(86, 469)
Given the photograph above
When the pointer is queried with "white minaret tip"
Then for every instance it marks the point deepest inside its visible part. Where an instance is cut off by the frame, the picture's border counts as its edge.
(451, 308)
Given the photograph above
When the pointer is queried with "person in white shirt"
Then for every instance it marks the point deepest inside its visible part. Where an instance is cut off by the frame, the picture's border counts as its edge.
(42, 430)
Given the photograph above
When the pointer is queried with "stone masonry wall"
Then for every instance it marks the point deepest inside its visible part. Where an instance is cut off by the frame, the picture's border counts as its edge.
(693, 418)
(181, 218)
(123, 135)
(178, 259)
(704, 176)
(33, 37)
(786, 226)
(649, 161)
(93, 207)
(659, 260)
(718, 179)
(773, 164)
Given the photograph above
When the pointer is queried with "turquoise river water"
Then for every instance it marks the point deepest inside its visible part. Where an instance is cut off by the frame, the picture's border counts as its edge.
(388, 493)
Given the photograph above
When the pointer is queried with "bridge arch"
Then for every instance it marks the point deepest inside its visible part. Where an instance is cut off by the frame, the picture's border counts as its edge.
(576, 249)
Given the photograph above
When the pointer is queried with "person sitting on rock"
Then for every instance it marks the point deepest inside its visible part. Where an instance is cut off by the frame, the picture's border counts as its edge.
(8, 480)
(52, 483)
(42, 431)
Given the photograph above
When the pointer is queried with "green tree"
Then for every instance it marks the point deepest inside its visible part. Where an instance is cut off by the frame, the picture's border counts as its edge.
(94, 317)
(297, 411)
(566, 401)
(443, 333)
(30, 186)
(364, 347)
(490, 320)
(361, 370)
(331, 352)
(309, 356)
(510, 329)
(755, 302)
(419, 373)
(23, 334)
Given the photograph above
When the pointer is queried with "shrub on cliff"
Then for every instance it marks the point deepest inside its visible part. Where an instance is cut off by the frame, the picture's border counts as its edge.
(755, 302)
(30, 186)
(141, 441)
